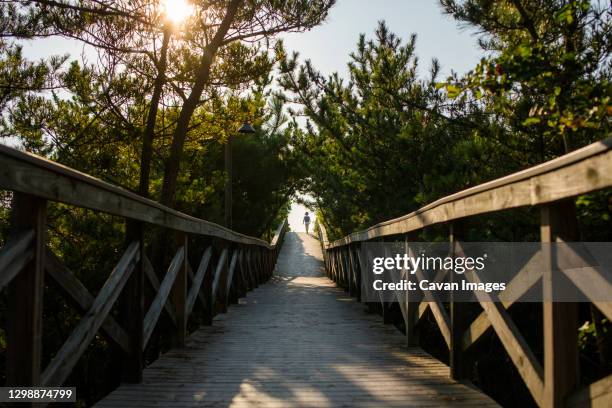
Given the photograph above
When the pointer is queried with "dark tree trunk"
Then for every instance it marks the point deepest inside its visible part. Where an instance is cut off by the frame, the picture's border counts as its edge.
(149, 134)
(203, 73)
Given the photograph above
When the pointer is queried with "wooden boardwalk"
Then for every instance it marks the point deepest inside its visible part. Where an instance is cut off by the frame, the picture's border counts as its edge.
(297, 341)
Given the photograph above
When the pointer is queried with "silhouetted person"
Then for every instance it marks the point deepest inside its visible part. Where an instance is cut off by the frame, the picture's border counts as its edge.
(306, 221)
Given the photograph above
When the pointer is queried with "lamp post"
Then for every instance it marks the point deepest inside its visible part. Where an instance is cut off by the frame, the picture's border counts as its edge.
(246, 128)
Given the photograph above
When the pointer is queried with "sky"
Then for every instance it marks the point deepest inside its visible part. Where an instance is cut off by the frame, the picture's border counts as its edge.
(438, 35)
(329, 44)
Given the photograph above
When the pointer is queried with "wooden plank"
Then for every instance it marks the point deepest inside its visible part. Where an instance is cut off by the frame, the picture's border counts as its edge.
(222, 293)
(354, 271)
(199, 296)
(582, 171)
(324, 244)
(337, 276)
(363, 289)
(242, 267)
(278, 234)
(154, 281)
(346, 269)
(297, 341)
(596, 395)
(527, 277)
(80, 297)
(60, 367)
(439, 313)
(460, 361)
(250, 261)
(342, 276)
(259, 266)
(239, 290)
(198, 279)
(31, 174)
(244, 277)
(398, 296)
(515, 345)
(161, 297)
(218, 274)
(253, 266)
(230, 274)
(558, 223)
(591, 281)
(15, 255)
(179, 293)
(25, 299)
(423, 307)
(411, 306)
(356, 267)
(270, 263)
(244, 271)
(323, 235)
(132, 309)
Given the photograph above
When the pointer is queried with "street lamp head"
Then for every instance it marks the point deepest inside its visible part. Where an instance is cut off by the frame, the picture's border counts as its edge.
(246, 128)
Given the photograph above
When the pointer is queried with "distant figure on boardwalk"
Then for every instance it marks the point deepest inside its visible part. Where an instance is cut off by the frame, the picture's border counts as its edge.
(306, 221)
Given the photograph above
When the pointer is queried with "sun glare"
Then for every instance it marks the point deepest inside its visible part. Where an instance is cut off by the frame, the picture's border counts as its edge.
(177, 11)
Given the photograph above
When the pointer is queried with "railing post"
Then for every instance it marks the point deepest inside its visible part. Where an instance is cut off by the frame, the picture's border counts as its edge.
(242, 286)
(340, 270)
(222, 293)
(207, 288)
(328, 263)
(356, 271)
(132, 309)
(233, 281)
(558, 224)
(386, 306)
(459, 360)
(343, 268)
(337, 272)
(412, 307)
(340, 276)
(260, 266)
(250, 264)
(24, 326)
(349, 270)
(179, 293)
(267, 263)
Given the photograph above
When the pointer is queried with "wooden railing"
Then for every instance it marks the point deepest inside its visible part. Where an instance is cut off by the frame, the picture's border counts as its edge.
(230, 264)
(552, 187)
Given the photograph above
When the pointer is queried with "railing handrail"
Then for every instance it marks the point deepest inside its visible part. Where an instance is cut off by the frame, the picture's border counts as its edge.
(278, 233)
(580, 172)
(322, 234)
(31, 174)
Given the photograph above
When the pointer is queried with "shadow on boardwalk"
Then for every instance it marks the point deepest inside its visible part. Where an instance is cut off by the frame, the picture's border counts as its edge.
(296, 341)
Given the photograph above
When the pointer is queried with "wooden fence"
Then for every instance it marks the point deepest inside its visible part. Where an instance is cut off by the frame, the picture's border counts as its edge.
(230, 265)
(552, 187)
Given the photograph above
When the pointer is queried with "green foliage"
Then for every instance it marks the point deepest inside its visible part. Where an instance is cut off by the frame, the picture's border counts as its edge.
(547, 72)
(19, 77)
(587, 333)
(384, 143)
(264, 175)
